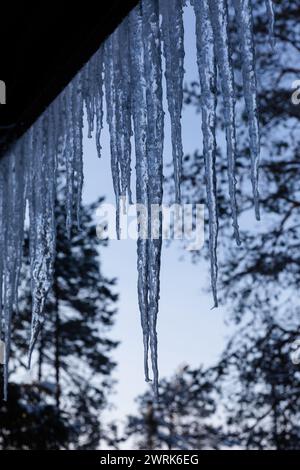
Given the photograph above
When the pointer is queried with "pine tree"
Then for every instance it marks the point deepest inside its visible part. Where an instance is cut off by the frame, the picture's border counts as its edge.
(72, 364)
(260, 387)
(181, 418)
(259, 281)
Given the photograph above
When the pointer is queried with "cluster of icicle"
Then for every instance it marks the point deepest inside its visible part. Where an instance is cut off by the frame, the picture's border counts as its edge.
(129, 67)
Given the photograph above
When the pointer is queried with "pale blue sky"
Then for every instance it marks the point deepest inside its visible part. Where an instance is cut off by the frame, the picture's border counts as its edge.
(188, 330)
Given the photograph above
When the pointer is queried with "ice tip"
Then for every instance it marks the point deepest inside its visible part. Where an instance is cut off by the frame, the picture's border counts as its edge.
(237, 239)
(178, 198)
(146, 374)
(237, 236)
(257, 213)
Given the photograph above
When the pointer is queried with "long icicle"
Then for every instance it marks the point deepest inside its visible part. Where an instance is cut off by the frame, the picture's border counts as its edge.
(118, 97)
(243, 11)
(219, 20)
(9, 268)
(3, 178)
(207, 73)
(88, 86)
(155, 137)
(111, 112)
(14, 215)
(67, 107)
(173, 48)
(77, 128)
(99, 97)
(42, 164)
(139, 113)
(123, 118)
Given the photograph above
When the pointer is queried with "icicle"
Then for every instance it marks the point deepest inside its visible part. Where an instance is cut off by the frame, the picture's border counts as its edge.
(42, 167)
(122, 84)
(219, 21)
(139, 113)
(118, 97)
(9, 269)
(60, 122)
(111, 104)
(3, 221)
(271, 21)
(77, 126)
(88, 84)
(207, 74)
(99, 97)
(245, 27)
(155, 137)
(72, 103)
(13, 213)
(173, 42)
(129, 64)
(67, 104)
